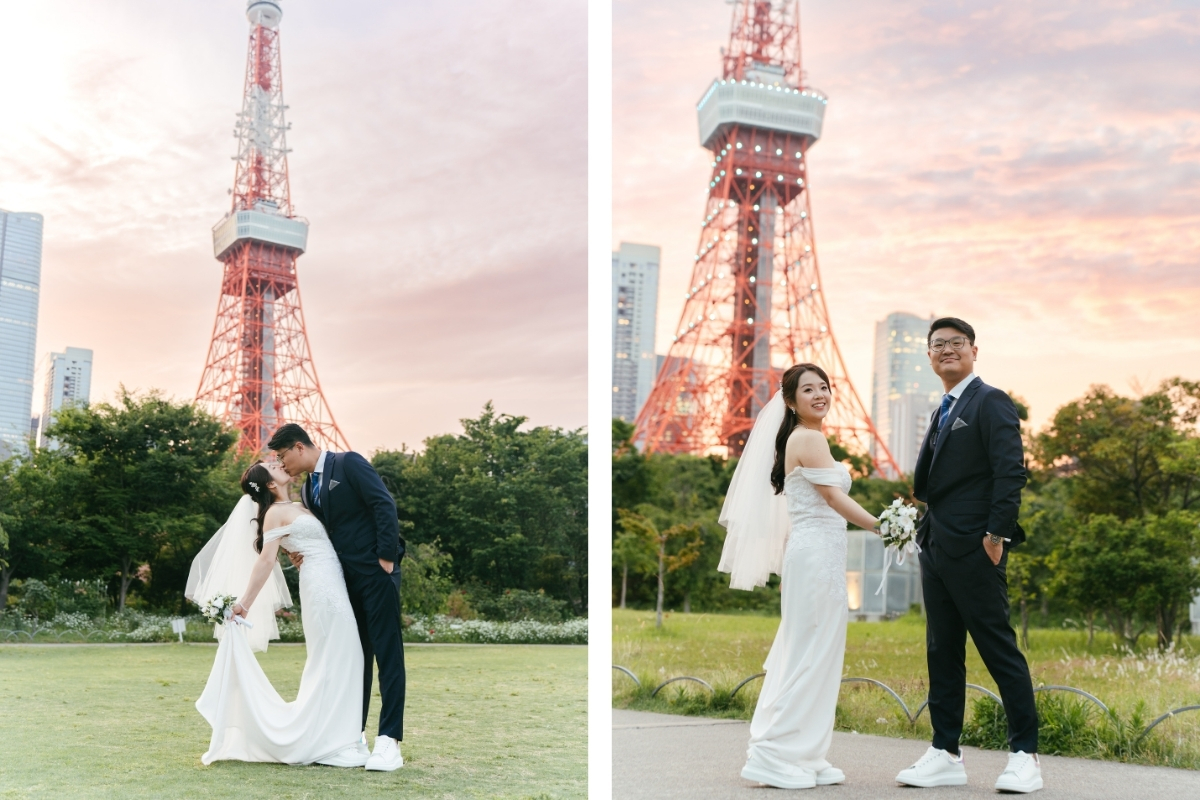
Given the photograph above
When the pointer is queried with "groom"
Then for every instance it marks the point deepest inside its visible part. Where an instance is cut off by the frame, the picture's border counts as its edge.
(970, 472)
(345, 493)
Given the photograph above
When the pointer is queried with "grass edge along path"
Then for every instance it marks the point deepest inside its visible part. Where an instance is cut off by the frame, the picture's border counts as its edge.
(724, 649)
(116, 721)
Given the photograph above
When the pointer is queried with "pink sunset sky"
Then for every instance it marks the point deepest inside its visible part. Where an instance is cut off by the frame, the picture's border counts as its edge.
(1032, 167)
(439, 154)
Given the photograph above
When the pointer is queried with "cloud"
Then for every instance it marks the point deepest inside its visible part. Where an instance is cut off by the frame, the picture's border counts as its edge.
(1029, 166)
(438, 152)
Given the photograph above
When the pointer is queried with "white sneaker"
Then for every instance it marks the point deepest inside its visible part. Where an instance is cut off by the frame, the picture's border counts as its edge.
(830, 776)
(935, 768)
(1023, 773)
(346, 757)
(362, 747)
(386, 756)
(804, 779)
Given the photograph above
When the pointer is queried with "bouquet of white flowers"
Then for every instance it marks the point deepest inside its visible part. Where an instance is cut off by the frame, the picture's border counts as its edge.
(219, 609)
(898, 530)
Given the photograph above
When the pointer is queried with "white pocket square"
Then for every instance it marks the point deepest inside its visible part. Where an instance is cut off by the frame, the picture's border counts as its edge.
(333, 485)
(958, 423)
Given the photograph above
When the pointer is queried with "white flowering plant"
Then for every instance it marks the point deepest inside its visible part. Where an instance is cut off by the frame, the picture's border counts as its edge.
(219, 609)
(898, 530)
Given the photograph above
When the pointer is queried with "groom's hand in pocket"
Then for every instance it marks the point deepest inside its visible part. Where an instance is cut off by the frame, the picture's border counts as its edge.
(994, 551)
(388, 566)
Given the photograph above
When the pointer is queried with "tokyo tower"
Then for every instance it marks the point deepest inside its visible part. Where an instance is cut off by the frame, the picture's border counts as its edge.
(754, 305)
(259, 373)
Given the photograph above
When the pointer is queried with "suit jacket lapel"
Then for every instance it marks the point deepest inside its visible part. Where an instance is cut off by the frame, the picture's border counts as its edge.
(955, 413)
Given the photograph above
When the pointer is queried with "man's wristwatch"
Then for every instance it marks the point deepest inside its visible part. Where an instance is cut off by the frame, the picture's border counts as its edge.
(995, 538)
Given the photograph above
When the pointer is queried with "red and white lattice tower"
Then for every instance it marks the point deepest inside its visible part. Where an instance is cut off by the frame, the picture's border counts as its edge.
(754, 305)
(259, 373)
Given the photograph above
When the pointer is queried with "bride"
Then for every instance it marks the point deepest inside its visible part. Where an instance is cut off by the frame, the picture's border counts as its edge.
(250, 721)
(800, 535)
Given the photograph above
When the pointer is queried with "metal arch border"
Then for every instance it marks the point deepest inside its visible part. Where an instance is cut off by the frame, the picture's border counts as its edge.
(1080, 692)
(738, 688)
(1166, 716)
(703, 683)
(619, 668)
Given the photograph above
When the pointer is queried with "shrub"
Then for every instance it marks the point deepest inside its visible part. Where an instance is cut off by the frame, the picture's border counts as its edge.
(513, 605)
(37, 600)
(458, 605)
(425, 583)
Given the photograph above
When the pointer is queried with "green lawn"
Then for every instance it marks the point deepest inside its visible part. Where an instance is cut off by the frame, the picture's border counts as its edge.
(119, 721)
(723, 649)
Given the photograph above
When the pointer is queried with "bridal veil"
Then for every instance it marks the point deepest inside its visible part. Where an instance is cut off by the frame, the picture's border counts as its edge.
(223, 567)
(755, 518)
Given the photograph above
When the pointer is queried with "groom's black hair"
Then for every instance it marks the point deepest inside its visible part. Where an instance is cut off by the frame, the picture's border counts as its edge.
(945, 322)
(287, 436)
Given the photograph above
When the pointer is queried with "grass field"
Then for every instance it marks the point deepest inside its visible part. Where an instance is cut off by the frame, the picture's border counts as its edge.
(119, 721)
(724, 649)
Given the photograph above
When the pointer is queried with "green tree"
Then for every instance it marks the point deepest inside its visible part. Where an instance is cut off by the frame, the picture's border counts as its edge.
(1126, 456)
(38, 503)
(149, 465)
(1138, 573)
(631, 551)
(508, 505)
(661, 541)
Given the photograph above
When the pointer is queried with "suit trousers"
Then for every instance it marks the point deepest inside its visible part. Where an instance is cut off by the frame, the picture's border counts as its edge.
(375, 598)
(970, 595)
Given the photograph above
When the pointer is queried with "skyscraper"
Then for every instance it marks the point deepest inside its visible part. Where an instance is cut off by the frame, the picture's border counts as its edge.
(68, 382)
(906, 390)
(20, 282)
(635, 309)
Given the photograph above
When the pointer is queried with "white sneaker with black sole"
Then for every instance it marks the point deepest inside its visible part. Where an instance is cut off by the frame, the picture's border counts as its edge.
(935, 768)
(1023, 773)
(386, 756)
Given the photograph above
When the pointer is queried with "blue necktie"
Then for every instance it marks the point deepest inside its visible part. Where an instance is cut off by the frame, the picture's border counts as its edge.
(943, 414)
(315, 480)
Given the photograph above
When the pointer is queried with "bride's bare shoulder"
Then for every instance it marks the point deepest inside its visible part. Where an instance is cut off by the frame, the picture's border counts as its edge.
(282, 514)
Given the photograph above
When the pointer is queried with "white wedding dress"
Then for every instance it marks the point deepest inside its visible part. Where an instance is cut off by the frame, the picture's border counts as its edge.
(250, 721)
(792, 726)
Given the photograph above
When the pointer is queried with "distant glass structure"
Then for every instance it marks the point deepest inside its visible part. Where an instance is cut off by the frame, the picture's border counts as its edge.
(20, 284)
(634, 314)
(68, 383)
(905, 390)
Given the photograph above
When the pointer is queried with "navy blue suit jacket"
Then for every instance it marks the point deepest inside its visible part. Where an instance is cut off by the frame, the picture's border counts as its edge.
(357, 511)
(971, 480)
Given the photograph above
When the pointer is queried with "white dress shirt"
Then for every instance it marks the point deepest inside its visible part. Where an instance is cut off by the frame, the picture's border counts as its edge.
(956, 392)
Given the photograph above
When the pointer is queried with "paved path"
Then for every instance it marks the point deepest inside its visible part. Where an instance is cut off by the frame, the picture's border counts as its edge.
(661, 756)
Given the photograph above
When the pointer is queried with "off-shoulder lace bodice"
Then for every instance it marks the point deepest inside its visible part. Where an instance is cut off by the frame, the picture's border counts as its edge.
(305, 536)
(813, 524)
(321, 578)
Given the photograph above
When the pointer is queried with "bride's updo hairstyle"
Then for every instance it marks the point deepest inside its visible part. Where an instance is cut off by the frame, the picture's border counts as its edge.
(254, 483)
(789, 384)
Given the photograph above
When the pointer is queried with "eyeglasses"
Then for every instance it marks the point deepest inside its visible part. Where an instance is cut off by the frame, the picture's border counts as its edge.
(958, 343)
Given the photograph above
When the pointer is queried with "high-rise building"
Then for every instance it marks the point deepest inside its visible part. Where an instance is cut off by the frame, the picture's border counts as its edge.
(906, 390)
(68, 383)
(635, 310)
(20, 282)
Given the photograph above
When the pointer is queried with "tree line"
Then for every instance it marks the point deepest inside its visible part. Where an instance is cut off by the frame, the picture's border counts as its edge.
(130, 491)
(1112, 513)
